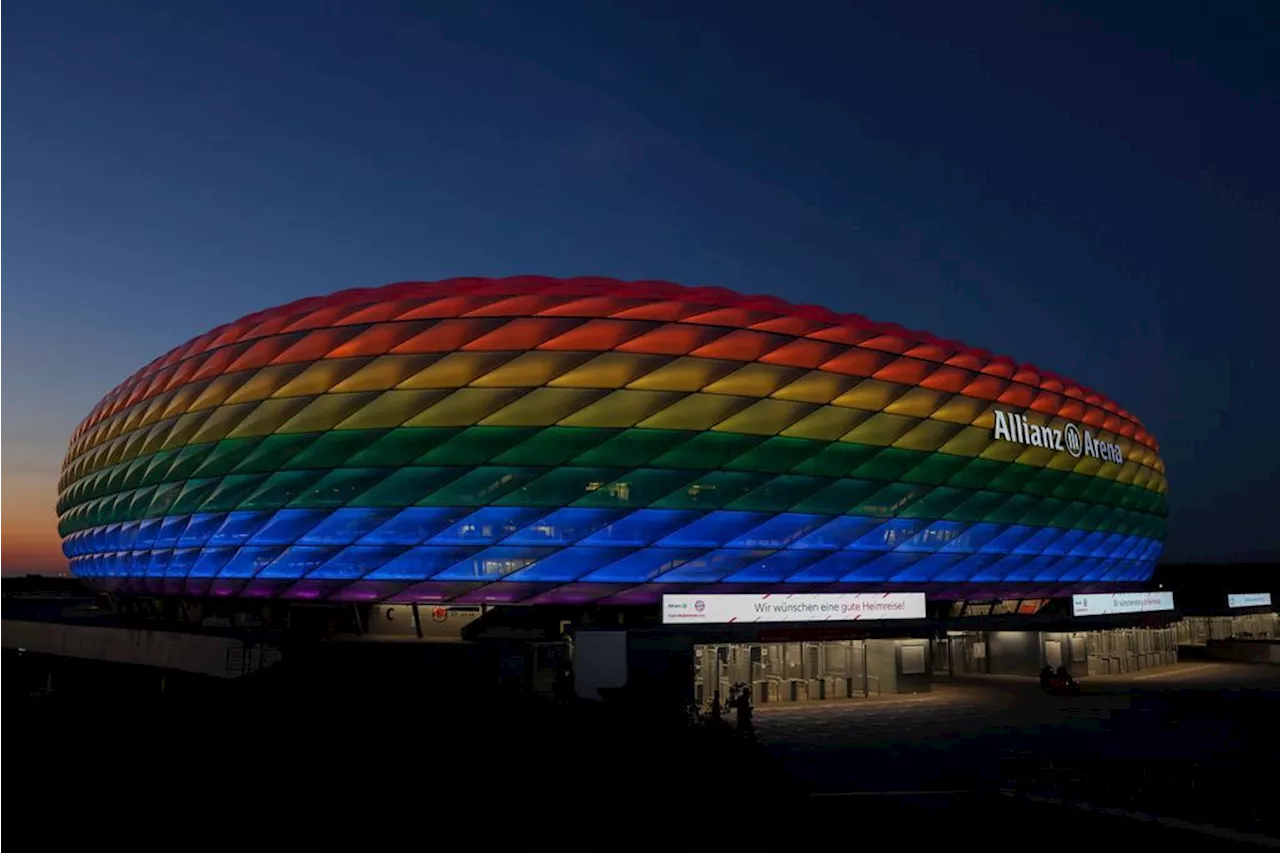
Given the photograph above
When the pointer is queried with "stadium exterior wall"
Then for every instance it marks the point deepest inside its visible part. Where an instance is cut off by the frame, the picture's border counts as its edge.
(533, 440)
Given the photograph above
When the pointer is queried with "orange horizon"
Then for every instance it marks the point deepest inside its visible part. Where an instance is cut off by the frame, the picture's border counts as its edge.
(29, 540)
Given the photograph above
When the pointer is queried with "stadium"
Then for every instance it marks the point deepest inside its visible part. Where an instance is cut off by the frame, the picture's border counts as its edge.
(540, 441)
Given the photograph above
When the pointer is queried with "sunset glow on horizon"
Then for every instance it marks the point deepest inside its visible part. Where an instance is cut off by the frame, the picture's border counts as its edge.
(29, 540)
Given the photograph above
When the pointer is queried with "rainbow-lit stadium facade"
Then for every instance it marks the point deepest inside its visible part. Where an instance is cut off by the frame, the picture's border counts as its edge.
(533, 440)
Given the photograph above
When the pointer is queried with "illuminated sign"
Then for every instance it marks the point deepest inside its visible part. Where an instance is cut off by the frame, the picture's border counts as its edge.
(1020, 430)
(1120, 602)
(775, 607)
(1249, 599)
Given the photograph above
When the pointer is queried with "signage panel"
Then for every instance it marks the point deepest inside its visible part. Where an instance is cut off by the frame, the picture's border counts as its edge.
(1249, 599)
(1103, 604)
(776, 607)
(1011, 426)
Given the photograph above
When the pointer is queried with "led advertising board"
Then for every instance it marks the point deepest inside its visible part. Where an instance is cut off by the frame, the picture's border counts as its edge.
(1104, 604)
(775, 607)
(1249, 599)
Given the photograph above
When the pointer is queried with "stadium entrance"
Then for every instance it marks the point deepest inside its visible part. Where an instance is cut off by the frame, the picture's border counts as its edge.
(1099, 652)
(801, 672)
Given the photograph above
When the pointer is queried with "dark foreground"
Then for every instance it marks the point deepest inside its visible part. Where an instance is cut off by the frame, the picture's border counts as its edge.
(353, 749)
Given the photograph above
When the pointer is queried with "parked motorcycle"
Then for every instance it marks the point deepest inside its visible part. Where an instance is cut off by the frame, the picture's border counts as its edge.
(1058, 683)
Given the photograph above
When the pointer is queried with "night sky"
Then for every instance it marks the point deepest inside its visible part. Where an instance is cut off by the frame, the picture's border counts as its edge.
(1092, 190)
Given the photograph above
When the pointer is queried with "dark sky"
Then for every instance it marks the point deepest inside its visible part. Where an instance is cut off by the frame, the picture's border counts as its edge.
(1091, 189)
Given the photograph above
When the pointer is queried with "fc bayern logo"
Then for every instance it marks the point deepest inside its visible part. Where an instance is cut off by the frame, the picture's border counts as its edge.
(699, 605)
(1074, 445)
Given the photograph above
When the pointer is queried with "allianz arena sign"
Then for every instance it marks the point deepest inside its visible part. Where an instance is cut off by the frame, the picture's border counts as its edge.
(1018, 429)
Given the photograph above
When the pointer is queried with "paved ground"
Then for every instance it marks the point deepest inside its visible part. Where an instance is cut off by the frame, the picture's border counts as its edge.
(1197, 740)
(975, 705)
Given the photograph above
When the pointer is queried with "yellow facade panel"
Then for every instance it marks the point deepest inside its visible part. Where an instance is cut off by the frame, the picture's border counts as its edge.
(754, 380)
(927, 436)
(816, 386)
(180, 402)
(220, 422)
(959, 410)
(319, 377)
(683, 374)
(217, 391)
(267, 416)
(464, 407)
(530, 370)
(917, 403)
(880, 430)
(184, 428)
(695, 412)
(622, 408)
(326, 411)
(390, 409)
(870, 395)
(385, 372)
(543, 407)
(765, 417)
(608, 370)
(456, 370)
(827, 423)
(265, 382)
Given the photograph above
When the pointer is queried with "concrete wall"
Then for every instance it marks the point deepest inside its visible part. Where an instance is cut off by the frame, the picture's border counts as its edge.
(599, 662)
(885, 666)
(207, 655)
(1016, 652)
(1253, 651)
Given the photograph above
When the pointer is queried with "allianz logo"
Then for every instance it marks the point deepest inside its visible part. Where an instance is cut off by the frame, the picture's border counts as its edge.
(1016, 428)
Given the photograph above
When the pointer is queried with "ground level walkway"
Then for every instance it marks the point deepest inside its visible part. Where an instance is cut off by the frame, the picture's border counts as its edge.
(1192, 739)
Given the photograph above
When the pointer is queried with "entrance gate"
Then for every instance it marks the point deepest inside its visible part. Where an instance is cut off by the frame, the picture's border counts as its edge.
(783, 672)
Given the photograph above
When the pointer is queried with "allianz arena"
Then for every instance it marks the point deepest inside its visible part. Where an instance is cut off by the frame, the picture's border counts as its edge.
(533, 440)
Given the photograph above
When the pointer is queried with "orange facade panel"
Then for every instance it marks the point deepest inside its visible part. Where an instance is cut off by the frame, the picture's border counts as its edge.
(904, 371)
(857, 362)
(515, 306)
(667, 311)
(378, 339)
(1017, 396)
(1047, 402)
(789, 326)
(802, 352)
(591, 306)
(316, 345)
(597, 335)
(321, 318)
(951, 379)
(740, 345)
(261, 352)
(671, 339)
(448, 306)
(218, 361)
(888, 343)
(985, 387)
(445, 336)
(378, 312)
(736, 318)
(520, 334)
